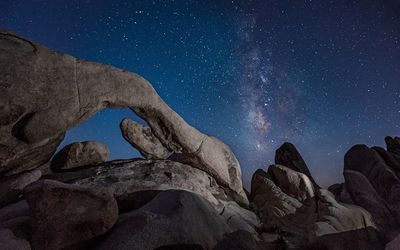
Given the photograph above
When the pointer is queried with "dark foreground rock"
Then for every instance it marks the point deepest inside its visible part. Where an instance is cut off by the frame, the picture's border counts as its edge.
(171, 218)
(67, 214)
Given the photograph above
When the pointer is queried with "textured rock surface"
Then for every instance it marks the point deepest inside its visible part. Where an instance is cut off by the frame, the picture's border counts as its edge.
(8, 241)
(79, 154)
(285, 199)
(12, 187)
(44, 93)
(67, 214)
(186, 217)
(143, 140)
(130, 180)
(125, 177)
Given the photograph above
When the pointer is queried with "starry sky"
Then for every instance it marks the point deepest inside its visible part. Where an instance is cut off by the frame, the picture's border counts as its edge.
(324, 75)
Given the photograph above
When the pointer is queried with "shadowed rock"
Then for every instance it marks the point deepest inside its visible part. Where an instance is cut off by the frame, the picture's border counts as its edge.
(45, 93)
(172, 218)
(79, 154)
(67, 214)
(373, 183)
(8, 241)
(12, 187)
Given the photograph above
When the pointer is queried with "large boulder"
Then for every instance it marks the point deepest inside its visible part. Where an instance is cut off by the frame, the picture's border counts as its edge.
(12, 187)
(285, 199)
(143, 140)
(173, 217)
(79, 154)
(66, 214)
(45, 93)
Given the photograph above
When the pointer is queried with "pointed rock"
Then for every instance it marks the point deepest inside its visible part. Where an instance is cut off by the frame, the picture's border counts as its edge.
(288, 156)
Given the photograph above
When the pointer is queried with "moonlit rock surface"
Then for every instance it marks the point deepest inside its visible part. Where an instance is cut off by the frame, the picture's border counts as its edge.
(46, 93)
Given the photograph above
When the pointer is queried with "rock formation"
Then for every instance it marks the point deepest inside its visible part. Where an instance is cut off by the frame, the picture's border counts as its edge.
(44, 93)
(186, 194)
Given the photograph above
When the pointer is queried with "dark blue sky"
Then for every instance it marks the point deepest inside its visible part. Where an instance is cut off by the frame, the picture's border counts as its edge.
(322, 74)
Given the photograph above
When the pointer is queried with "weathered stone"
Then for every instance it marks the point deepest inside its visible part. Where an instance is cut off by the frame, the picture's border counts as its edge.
(8, 241)
(143, 140)
(67, 214)
(288, 156)
(297, 210)
(45, 93)
(11, 188)
(172, 218)
(79, 154)
(127, 177)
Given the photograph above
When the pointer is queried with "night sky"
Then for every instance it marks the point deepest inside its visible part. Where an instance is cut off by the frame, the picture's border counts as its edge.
(324, 75)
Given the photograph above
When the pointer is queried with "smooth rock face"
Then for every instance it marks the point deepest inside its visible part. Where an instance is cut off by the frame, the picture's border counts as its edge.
(45, 93)
(12, 187)
(80, 154)
(67, 214)
(288, 156)
(172, 218)
(290, 204)
(143, 140)
(8, 241)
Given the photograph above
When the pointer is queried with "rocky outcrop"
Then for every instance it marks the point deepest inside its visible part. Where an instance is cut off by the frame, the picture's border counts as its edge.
(12, 187)
(143, 140)
(372, 180)
(45, 93)
(285, 199)
(79, 154)
(67, 214)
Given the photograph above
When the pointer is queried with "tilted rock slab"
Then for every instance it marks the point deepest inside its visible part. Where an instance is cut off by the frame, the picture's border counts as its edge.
(44, 93)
